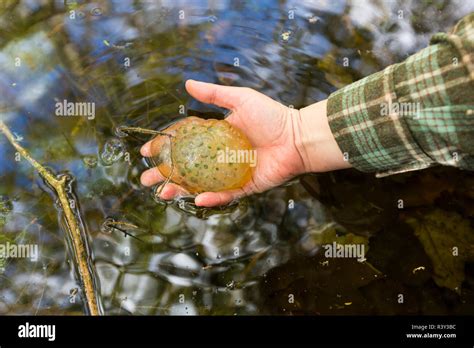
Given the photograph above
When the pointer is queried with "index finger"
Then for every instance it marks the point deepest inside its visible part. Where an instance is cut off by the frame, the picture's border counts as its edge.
(152, 147)
(146, 149)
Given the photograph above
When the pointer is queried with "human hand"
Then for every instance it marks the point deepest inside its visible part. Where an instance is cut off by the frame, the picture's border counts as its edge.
(274, 130)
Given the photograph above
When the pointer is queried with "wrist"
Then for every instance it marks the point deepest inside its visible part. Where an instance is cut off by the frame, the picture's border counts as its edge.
(314, 140)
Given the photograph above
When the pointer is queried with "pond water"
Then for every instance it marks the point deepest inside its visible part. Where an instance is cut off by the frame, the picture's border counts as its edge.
(262, 256)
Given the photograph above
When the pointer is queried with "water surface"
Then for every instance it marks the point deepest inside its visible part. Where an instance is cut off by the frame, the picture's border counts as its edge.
(131, 58)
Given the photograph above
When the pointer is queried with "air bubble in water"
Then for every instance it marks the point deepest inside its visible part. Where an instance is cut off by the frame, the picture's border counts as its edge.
(90, 161)
(96, 11)
(112, 152)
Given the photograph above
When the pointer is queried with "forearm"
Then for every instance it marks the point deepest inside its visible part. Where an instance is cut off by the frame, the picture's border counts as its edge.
(314, 140)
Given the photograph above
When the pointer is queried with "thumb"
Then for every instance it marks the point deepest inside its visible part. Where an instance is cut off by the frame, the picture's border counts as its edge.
(210, 93)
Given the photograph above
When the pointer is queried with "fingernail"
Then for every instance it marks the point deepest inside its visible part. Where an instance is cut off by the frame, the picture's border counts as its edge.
(144, 179)
(168, 192)
(146, 150)
(198, 200)
(199, 82)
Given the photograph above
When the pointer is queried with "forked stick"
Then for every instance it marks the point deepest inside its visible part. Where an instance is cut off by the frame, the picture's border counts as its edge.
(73, 229)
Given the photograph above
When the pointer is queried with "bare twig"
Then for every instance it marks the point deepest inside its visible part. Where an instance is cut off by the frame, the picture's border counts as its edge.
(79, 249)
(126, 129)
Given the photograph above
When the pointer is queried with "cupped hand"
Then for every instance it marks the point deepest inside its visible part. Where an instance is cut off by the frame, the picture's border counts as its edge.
(268, 124)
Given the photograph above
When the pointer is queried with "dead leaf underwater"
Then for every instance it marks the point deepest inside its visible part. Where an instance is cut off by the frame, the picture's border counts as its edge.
(448, 240)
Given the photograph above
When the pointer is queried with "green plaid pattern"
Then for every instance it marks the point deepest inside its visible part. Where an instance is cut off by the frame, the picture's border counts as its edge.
(414, 114)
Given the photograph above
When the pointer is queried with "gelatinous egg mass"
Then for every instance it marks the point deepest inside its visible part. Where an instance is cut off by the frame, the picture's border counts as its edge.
(207, 155)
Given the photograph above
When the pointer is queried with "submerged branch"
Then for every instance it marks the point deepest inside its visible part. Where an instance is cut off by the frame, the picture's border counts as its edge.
(79, 249)
(127, 130)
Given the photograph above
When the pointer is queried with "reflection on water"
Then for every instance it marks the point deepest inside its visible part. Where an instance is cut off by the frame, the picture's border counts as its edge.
(131, 59)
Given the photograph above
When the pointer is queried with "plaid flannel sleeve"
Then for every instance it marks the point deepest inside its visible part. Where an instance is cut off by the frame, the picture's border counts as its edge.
(412, 115)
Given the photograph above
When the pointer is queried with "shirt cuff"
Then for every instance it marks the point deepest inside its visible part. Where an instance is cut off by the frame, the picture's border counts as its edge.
(364, 118)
